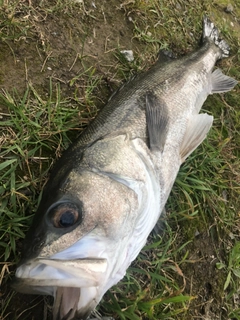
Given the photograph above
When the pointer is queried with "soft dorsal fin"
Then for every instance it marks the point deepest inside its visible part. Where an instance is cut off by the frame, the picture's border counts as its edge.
(157, 121)
(197, 129)
(166, 56)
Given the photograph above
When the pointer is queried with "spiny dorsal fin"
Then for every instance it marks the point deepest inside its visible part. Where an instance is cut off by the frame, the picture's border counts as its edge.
(157, 121)
(197, 129)
(221, 82)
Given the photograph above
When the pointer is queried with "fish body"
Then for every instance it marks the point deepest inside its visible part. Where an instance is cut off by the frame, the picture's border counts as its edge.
(106, 193)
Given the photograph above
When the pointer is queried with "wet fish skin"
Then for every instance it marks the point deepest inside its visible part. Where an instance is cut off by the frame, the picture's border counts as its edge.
(108, 190)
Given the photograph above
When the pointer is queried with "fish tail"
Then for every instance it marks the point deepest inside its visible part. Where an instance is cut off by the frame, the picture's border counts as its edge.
(210, 32)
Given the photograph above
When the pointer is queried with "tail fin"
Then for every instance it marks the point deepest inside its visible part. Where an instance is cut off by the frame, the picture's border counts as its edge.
(211, 33)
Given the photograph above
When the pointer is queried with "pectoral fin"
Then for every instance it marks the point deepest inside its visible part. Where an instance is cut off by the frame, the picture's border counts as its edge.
(197, 129)
(157, 121)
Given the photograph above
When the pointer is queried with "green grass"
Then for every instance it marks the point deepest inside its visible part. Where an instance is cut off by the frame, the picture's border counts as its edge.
(36, 127)
(32, 129)
(149, 288)
(34, 134)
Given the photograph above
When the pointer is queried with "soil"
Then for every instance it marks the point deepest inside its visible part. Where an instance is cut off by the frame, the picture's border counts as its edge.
(204, 280)
(61, 46)
(55, 51)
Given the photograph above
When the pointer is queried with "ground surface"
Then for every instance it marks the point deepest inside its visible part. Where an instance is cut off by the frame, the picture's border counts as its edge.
(78, 46)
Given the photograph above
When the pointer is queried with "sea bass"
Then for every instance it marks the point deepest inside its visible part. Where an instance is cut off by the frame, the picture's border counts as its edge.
(106, 193)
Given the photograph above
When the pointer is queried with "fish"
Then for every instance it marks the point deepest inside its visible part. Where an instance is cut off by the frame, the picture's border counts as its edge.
(106, 193)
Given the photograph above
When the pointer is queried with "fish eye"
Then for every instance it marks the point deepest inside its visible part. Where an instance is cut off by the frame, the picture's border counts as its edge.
(65, 215)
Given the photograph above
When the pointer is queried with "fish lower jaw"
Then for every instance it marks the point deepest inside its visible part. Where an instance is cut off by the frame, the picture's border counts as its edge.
(79, 273)
(76, 285)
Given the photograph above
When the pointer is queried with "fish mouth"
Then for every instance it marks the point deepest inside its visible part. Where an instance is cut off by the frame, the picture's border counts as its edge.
(76, 277)
(42, 274)
(73, 283)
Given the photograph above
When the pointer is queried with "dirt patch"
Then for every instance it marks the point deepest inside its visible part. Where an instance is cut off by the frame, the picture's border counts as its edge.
(64, 45)
(204, 281)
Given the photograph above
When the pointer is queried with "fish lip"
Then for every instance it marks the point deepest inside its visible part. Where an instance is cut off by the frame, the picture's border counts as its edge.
(82, 272)
(85, 275)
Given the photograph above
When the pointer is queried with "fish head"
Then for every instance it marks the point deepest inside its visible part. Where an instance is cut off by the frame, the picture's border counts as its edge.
(77, 246)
